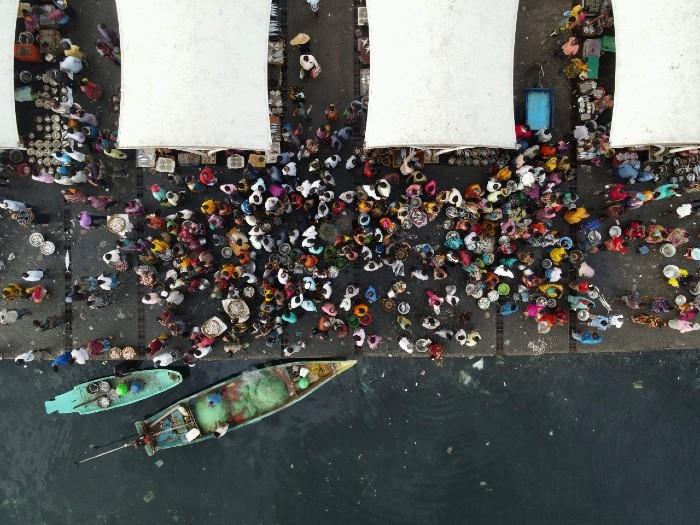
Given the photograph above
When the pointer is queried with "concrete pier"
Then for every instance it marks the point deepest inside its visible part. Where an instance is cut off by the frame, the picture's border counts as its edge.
(130, 323)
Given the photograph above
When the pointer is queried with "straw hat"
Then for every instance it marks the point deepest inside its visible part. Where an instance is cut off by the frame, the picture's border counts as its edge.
(300, 39)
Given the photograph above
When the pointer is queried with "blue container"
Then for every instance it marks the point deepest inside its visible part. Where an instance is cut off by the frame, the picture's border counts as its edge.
(538, 108)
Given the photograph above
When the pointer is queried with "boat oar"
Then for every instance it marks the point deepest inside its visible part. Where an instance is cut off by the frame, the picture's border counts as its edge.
(77, 463)
(124, 445)
(103, 445)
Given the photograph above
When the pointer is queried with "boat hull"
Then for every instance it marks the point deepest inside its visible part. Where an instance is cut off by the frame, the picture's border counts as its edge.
(236, 402)
(81, 401)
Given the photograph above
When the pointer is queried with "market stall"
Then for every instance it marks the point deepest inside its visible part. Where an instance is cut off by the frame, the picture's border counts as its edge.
(194, 77)
(9, 137)
(657, 99)
(441, 74)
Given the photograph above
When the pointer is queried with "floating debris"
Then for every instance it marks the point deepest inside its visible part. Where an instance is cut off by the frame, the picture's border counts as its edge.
(464, 378)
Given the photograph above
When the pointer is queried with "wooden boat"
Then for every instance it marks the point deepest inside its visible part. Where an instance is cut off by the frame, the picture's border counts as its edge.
(106, 393)
(235, 403)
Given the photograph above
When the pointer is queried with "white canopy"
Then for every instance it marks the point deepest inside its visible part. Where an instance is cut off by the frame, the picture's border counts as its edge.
(194, 74)
(9, 137)
(441, 73)
(657, 97)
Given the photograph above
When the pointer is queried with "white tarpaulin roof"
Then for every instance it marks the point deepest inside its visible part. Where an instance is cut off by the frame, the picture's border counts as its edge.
(194, 74)
(657, 95)
(9, 137)
(441, 73)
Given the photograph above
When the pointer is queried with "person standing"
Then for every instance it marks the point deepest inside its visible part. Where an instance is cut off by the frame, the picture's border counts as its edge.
(63, 359)
(12, 292)
(314, 6)
(80, 356)
(107, 51)
(331, 113)
(309, 66)
(12, 316)
(164, 358)
(108, 34)
(134, 208)
(115, 153)
(76, 156)
(33, 276)
(24, 358)
(87, 221)
(79, 114)
(11, 205)
(101, 202)
(29, 356)
(92, 91)
(51, 322)
(36, 293)
(71, 65)
(108, 282)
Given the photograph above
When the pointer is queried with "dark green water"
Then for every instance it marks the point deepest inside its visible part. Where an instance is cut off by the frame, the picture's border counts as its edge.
(566, 439)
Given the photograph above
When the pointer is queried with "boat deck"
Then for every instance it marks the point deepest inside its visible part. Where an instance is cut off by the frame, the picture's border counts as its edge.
(238, 401)
(254, 394)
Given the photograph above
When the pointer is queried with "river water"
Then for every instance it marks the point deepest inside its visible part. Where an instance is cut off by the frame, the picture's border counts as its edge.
(551, 439)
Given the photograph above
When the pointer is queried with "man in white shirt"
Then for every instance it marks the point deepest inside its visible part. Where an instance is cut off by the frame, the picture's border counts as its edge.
(12, 316)
(164, 358)
(107, 282)
(11, 205)
(26, 357)
(220, 430)
(290, 170)
(332, 161)
(71, 65)
(79, 177)
(80, 355)
(581, 132)
(33, 276)
(77, 136)
(351, 163)
(307, 63)
(111, 256)
(75, 155)
(175, 297)
(543, 136)
(151, 298)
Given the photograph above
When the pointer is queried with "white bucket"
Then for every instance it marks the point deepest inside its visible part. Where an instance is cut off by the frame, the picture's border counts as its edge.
(668, 250)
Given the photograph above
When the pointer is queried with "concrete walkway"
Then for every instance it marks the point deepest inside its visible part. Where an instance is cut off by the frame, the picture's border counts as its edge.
(333, 44)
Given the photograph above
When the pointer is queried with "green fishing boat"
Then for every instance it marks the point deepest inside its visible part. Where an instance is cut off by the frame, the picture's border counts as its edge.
(235, 403)
(111, 392)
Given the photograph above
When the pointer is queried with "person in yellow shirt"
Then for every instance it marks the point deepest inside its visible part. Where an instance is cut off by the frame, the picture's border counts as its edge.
(572, 19)
(11, 292)
(557, 254)
(184, 264)
(208, 207)
(551, 291)
(71, 50)
(158, 246)
(575, 216)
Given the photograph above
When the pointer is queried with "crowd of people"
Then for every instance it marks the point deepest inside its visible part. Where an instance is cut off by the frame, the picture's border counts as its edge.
(272, 241)
(639, 178)
(66, 145)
